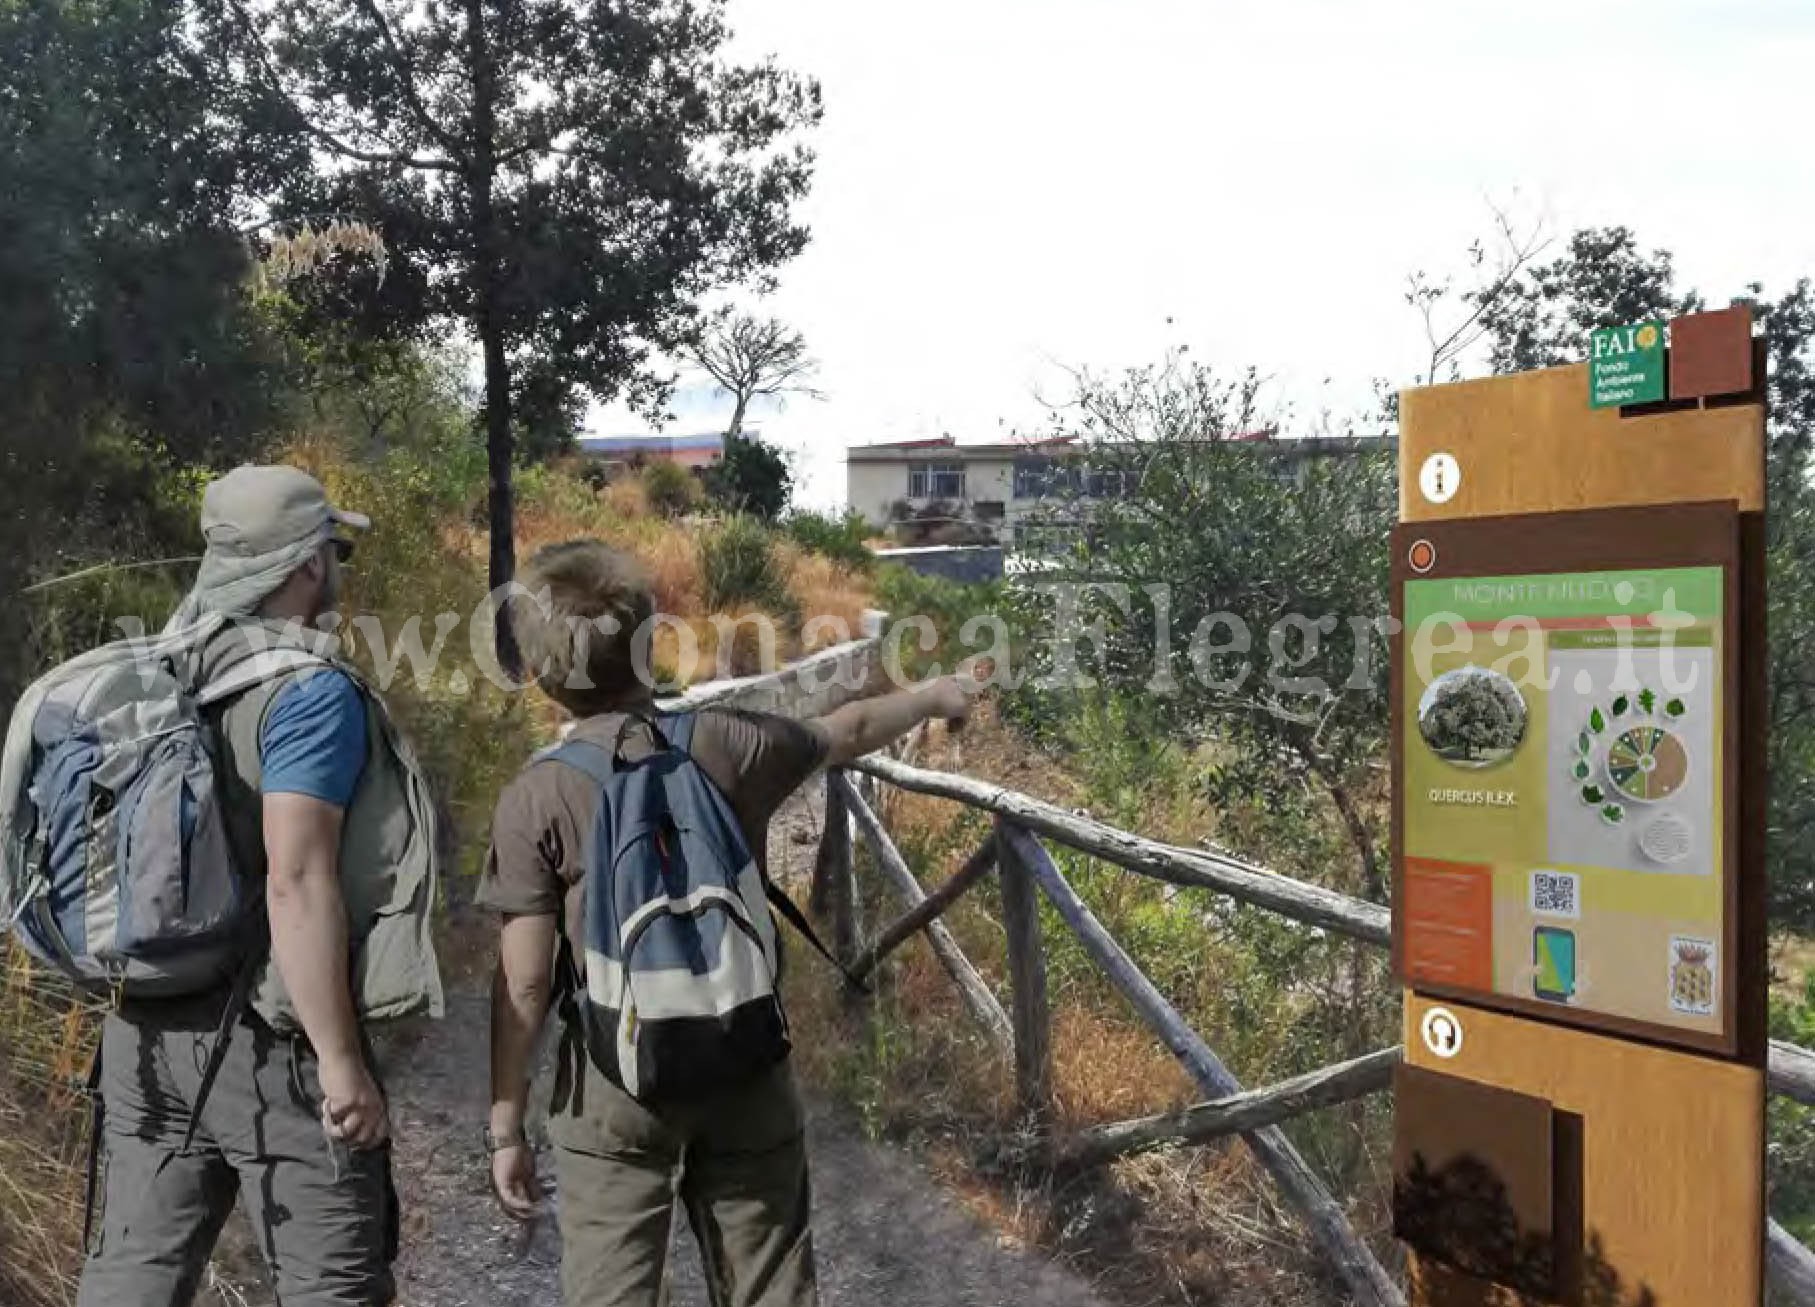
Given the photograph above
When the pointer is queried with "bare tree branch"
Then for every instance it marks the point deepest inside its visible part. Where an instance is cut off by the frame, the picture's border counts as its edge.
(322, 134)
(751, 357)
(1516, 252)
(406, 77)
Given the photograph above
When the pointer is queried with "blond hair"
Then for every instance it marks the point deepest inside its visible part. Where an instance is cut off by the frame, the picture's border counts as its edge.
(578, 622)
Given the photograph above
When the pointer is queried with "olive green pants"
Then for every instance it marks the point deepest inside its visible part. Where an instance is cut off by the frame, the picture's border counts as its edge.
(326, 1219)
(737, 1162)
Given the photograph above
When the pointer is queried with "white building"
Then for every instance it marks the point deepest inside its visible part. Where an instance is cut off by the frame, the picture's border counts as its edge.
(994, 485)
(1000, 486)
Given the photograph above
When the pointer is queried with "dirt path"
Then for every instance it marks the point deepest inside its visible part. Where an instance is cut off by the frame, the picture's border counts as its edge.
(886, 1233)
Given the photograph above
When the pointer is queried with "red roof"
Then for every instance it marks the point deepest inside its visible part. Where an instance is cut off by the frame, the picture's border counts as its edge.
(949, 442)
(931, 442)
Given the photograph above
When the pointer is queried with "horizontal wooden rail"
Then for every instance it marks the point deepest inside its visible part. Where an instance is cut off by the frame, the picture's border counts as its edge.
(1790, 1266)
(1791, 1072)
(1354, 1262)
(1235, 1114)
(1190, 868)
(934, 906)
(971, 986)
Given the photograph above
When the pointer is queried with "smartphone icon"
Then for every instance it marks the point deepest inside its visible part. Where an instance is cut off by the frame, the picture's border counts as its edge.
(1553, 952)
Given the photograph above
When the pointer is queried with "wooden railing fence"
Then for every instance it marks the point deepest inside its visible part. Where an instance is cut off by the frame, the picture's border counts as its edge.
(1026, 870)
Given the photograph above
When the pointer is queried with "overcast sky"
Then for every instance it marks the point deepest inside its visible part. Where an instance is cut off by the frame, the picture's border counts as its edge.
(1007, 187)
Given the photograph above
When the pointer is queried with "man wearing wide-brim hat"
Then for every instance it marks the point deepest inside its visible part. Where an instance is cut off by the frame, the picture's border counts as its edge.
(328, 820)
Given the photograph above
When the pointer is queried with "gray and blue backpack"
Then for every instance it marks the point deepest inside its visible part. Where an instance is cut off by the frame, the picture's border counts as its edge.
(115, 863)
(679, 991)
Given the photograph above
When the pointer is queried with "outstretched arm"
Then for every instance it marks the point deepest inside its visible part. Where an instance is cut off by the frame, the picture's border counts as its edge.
(866, 725)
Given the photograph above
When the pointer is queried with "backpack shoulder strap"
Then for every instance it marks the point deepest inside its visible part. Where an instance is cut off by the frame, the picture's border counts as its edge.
(256, 670)
(779, 900)
(677, 727)
(594, 760)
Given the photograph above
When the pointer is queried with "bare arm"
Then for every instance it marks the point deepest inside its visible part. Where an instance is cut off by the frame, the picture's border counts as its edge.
(520, 999)
(866, 725)
(309, 944)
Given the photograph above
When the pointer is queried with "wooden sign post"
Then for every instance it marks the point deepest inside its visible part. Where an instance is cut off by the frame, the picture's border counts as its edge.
(1578, 828)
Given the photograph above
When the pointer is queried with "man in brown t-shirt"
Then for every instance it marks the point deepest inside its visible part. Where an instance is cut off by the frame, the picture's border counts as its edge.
(737, 1158)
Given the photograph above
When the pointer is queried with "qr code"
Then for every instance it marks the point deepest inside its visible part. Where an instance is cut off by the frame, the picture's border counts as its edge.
(1555, 894)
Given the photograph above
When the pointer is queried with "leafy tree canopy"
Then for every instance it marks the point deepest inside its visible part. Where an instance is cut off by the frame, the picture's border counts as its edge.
(564, 179)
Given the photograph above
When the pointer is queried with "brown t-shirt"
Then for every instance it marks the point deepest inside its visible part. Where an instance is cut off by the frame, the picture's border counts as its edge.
(544, 821)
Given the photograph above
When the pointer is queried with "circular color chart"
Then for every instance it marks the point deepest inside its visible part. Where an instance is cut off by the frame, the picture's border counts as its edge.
(1647, 763)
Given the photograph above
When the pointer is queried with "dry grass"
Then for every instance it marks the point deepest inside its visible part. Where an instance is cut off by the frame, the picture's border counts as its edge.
(1792, 959)
(1105, 1069)
(825, 590)
(626, 498)
(46, 1040)
(831, 598)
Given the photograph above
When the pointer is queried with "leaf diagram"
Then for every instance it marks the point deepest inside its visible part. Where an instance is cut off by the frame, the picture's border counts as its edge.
(1629, 753)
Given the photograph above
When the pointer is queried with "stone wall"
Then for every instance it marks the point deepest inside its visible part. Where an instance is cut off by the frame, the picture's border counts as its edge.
(968, 563)
(811, 687)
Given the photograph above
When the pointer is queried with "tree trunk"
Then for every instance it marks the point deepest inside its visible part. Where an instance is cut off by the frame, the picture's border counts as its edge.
(1373, 882)
(736, 427)
(499, 450)
(1354, 1036)
(488, 322)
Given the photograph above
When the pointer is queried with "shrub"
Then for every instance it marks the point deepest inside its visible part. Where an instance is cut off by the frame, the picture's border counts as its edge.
(840, 539)
(738, 565)
(670, 488)
(903, 593)
(753, 477)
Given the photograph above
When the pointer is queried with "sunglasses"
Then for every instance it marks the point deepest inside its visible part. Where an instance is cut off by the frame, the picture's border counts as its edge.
(343, 549)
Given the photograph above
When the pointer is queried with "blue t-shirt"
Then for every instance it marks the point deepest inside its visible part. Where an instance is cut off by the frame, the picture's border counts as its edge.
(314, 739)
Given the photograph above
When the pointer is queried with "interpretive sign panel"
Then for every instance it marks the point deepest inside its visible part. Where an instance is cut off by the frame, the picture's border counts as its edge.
(1565, 767)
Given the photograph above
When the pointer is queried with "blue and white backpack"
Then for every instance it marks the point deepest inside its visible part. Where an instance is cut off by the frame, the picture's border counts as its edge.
(679, 994)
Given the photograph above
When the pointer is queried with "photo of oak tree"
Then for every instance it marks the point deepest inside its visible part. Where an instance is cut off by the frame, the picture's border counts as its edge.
(1472, 716)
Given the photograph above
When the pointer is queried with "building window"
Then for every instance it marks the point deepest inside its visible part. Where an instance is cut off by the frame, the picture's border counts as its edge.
(1031, 477)
(1038, 477)
(935, 481)
(1111, 483)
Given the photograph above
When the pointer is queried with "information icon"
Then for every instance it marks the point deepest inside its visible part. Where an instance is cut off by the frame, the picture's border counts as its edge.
(1440, 478)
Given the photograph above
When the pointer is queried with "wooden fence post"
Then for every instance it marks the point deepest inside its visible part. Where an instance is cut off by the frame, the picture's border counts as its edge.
(834, 880)
(1032, 1011)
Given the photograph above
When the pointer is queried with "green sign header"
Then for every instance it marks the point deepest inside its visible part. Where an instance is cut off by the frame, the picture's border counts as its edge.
(1692, 593)
(1626, 365)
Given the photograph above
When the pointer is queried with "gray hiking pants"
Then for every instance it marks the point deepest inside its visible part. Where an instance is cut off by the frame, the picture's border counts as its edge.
(325, 1221)
(737, 1163)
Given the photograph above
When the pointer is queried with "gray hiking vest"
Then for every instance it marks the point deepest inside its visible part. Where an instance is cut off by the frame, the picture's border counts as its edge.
(388, 849)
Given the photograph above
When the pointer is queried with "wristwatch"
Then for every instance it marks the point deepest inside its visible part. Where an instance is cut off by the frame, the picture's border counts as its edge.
(498, 1143)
